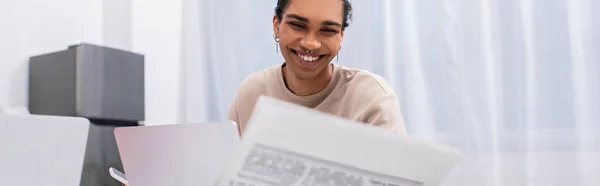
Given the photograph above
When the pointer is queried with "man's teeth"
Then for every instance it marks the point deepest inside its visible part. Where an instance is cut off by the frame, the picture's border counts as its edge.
(308, 58)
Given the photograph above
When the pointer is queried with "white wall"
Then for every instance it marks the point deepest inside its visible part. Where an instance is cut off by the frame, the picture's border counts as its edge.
(156, 28)
(31, 27)
(117, 24)
(150, 27)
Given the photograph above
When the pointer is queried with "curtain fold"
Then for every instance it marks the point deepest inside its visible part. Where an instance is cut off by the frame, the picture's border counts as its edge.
(514, 83)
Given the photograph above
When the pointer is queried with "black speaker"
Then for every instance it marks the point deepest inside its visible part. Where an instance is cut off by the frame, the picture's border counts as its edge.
(104, 85)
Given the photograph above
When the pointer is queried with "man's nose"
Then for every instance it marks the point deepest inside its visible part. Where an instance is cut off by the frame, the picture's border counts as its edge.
(310, 42)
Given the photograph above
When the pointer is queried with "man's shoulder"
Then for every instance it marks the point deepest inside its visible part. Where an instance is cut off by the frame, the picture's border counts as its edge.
(259, 80)
(250, 89)
(374, 97)
(365, 82)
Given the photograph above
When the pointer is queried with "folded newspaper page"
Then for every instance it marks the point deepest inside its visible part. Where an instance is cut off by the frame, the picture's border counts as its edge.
(290, 145)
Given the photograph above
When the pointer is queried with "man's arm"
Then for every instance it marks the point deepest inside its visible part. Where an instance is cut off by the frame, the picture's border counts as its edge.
(384, 111)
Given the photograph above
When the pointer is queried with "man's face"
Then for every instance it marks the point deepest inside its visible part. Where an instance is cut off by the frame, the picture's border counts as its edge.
(310, 34)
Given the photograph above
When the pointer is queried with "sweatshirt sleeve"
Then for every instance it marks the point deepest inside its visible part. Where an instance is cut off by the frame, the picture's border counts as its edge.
(384, 111)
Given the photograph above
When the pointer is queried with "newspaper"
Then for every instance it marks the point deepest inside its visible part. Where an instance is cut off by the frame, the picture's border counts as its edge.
(289, 145)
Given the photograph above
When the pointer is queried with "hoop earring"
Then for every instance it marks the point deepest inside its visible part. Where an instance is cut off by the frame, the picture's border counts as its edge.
(276, 43)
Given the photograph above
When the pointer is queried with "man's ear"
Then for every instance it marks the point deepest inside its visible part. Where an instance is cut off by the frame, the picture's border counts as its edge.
(275, 25)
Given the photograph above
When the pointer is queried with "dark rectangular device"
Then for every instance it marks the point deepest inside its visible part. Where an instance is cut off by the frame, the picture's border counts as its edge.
(104, 85)
(88, 81)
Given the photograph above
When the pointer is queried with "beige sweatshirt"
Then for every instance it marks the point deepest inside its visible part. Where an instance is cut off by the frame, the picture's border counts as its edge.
(353, 94)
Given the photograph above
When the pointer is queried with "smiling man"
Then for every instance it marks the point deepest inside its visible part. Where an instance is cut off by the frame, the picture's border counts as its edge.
(309, 34)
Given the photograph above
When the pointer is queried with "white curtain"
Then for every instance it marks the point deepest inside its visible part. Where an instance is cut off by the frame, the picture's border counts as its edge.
(514, 83)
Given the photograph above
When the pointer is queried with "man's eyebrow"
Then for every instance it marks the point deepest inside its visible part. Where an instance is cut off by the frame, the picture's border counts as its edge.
(331, 23)
(300, 18)
(304, 19)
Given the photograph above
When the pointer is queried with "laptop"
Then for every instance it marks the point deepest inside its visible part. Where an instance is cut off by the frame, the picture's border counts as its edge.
(183, 154)
(41, 150)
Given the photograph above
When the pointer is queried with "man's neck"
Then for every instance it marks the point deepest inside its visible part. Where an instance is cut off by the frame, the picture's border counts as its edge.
(305, 87)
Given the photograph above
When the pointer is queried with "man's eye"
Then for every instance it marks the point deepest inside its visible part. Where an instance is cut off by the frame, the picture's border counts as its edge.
(298, 26)
(329, 32)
